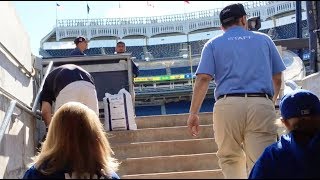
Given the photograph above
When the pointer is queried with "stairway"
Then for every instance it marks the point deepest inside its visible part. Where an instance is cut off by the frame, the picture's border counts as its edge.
(162, 148)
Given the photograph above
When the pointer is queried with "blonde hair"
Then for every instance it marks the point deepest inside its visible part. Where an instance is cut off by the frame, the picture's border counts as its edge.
(76, 140)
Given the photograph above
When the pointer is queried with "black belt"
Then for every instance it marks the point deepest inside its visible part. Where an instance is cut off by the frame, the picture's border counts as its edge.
(246, 94)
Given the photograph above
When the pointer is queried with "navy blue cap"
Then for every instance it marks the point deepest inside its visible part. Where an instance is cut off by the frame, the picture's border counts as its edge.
(299, 103)
(232, 12)
(79, 39)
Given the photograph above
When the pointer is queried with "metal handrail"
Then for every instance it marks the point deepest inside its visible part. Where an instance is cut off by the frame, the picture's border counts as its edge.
(6, 119)
(41, 86)
(16, 60)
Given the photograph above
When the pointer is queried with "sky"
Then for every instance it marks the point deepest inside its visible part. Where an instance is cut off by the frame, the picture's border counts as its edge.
(39, 17)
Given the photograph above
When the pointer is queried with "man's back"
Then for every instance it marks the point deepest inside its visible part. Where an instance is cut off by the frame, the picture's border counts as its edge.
(67, 83)
(63, 75)
(244, 62)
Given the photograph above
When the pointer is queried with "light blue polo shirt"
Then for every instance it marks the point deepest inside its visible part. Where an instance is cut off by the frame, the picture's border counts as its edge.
(241, 61)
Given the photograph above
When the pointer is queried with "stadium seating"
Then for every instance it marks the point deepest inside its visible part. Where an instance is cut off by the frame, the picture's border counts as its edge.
(148, 110)
(153, 72)
(207, 105)
(196, 46)
(183, 70)
(174, 108)
(136, 51)
(172, 50)
(180, 70)
(177, 107)
(158, 51)
(286, 31)
(165, 50)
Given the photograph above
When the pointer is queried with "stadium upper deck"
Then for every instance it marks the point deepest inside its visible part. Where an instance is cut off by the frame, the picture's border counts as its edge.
(144, 36)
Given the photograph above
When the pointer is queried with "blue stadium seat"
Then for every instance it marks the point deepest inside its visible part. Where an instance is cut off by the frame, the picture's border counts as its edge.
(177, 107)
(148, 110)
(196, 46)
(180, 70)
(286, 31)
(165, 50)
(207, 105)
(184, 106)
(135, 50)
(153, 72)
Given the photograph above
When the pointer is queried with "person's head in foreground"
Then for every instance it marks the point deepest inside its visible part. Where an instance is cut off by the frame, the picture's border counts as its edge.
(296, 154)
(76, 144)
(300, 111)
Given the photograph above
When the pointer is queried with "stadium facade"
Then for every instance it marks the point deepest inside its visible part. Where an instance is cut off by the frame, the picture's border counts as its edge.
(167, 48)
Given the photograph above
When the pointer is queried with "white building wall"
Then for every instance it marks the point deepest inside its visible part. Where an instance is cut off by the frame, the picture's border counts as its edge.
(18, 143)
(18, 43)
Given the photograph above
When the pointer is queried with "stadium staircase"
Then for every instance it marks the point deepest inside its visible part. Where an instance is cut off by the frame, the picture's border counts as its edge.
(162, 148)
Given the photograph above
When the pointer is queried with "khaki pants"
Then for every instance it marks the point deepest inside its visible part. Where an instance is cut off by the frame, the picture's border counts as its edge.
(79, 91)
(243, 128)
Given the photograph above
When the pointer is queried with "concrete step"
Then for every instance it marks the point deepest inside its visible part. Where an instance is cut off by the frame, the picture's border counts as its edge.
(158, 134)
(163, 164)
(203, 174)
(164, 148)
(170, 120)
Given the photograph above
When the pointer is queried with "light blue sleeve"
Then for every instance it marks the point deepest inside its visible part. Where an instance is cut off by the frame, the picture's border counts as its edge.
(276, 60)
(207, 63)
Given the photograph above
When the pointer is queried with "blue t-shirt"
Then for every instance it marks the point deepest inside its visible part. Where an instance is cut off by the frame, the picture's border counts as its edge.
(241, 61)
(33, 173)
(287, 159)
(77, 52)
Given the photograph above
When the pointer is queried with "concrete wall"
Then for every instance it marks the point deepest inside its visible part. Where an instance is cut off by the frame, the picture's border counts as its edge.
(14, 81)
(18, 144)
(18, 43)
(14, 39)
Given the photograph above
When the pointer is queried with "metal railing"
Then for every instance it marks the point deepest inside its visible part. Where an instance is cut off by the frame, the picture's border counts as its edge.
(41, 86)
(16, 102)
(25, 70)
(7, 118)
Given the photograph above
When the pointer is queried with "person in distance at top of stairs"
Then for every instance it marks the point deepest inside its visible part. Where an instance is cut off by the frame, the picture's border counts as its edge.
(247, 70)
(120, 49)
(81, 45)
(296, 154)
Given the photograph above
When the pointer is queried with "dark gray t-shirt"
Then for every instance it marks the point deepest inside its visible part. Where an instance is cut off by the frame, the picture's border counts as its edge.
(59, 78)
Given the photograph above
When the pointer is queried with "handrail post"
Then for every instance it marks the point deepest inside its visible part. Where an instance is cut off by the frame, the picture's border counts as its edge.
(41, 86)
(6, 119)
